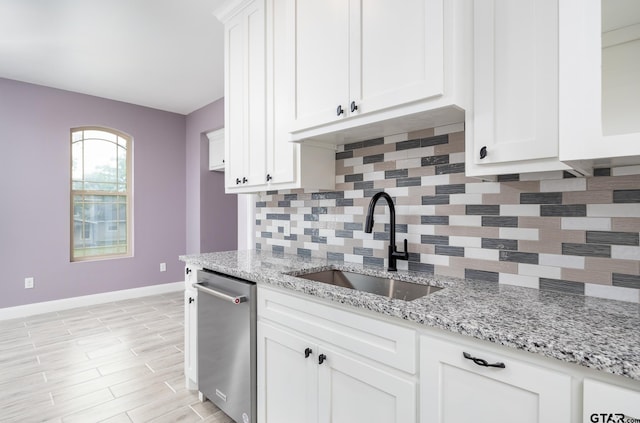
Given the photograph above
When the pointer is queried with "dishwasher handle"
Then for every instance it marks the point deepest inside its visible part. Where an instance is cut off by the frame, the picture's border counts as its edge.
(235, 299)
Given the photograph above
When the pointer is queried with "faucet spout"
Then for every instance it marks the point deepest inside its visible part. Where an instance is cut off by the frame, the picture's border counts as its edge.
(394, 254)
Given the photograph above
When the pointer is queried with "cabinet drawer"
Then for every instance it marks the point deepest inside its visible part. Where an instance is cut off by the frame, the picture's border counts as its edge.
(605, 402)
(380, 341)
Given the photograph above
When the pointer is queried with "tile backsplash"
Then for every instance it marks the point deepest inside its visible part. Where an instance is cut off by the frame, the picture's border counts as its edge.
(550, 231)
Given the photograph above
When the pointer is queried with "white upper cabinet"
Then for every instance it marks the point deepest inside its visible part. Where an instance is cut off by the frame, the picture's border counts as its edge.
(600, 70)
(216, 149)
(258, 104)
(514, 124)
(369, 69)
(245, 113)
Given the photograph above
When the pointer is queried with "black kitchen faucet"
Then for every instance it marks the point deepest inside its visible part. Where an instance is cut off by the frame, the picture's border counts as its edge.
(394, 254)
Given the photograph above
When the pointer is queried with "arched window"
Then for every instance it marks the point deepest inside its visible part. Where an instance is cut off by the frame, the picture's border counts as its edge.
(100, 193)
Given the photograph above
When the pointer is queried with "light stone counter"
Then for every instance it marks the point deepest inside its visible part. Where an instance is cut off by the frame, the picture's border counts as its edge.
(596, 333)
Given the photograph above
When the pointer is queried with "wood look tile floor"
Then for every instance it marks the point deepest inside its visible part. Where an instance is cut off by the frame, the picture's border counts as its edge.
(114, 362)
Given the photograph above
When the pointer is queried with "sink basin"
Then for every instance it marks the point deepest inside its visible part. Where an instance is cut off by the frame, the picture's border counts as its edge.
(390, 288)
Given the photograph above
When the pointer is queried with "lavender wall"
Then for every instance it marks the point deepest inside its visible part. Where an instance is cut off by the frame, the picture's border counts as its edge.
(34, 188)
(212, 215)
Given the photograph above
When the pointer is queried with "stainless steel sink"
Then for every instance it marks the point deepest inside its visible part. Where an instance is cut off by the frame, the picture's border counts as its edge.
(386, 287)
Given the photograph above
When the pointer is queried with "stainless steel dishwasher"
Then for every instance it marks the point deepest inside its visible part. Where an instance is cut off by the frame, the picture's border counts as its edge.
(227, 344)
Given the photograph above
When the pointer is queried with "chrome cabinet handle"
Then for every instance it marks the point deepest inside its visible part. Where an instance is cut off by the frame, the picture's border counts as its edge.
(235, 299)
(482, 362)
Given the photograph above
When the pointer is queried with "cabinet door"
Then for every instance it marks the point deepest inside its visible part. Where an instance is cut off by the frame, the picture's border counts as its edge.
(245, 97)
(351, 391)
(612, 401)
(282, 155)
(287, 380)
(515, 80)
(321, 61)
(191, 338)
(216, 150)
(457, 390)
(397, 53)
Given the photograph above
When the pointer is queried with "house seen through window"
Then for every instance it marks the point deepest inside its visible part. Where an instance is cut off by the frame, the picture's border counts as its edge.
(100, 193)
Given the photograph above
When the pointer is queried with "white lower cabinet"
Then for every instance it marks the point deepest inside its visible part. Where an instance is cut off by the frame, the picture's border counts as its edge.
(305, 378)
(455, 389)
(190, 328)
(604, 402)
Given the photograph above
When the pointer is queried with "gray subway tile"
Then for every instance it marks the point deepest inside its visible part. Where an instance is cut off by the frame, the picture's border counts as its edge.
(406, 145)
(373, 142)
(285, 203)
(355, 177)
(500, 244)
(434, 160)
(353, 226)
(311, 217)
(450, 189)
(421, 267)
(500, 221)
(344, 234)
(360, 251)
(371, 192)
(481, 275)
(519, 257)
(373, 261)
(566, 210)
(260, 204)
(344, 155)
(272, 192)
(435, 199)
(375, 158)
(626, 281)
(586, 250)
(353, 146)
(311, 231)
(329, 195)
(626, 196)
(401, 228)
(434, 220)
(397, 173)
(541, 198)
(561, 285)
(434, 239)
(363, 185)
(605, 171)
(278, 216)
(319, 239)
(446, 250)
(409, 182)
(266, 235)
(292, 237)
(449, 168)
(344, 202)
(435, 140)
(290, 197)
(381, 236)
(480, 210)
(615, 238)
(304, 252)
(319, 210)
(513, 177)
(279, 249)
(335, 256)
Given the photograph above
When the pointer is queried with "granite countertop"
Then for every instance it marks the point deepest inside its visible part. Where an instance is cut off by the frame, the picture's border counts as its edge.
(593, 332)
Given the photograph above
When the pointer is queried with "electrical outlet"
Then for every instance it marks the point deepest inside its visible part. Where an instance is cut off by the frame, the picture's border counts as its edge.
(163, 267)
(28, 283)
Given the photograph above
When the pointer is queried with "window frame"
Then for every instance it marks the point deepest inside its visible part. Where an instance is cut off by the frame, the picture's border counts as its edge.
(128, 194)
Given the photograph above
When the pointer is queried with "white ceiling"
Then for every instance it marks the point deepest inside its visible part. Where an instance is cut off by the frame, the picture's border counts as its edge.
(165, 54)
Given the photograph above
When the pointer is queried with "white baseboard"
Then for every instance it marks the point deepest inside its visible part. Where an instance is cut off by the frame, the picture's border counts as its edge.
(88, 300)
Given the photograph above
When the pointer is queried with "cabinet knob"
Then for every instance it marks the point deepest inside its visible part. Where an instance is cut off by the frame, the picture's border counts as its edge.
(483, 152)
(191, 300)
(187, 271)
(321, 358)
(353, 106)
(244, 180)
(339, 110)
(482, 362)
(269, 177)
(238, 181)
(307, 352)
